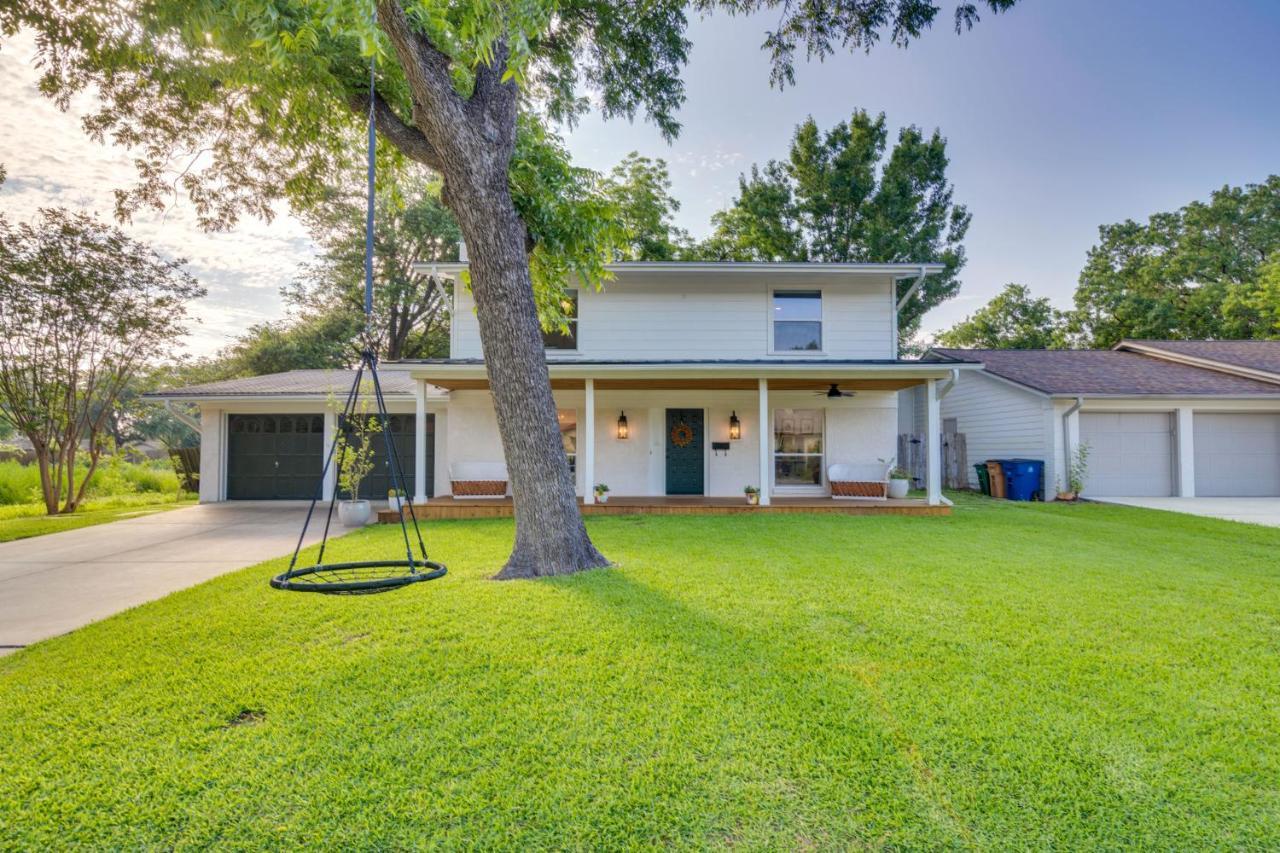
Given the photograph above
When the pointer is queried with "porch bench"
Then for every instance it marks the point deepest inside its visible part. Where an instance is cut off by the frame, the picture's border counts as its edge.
(862, 481)
(478, 479)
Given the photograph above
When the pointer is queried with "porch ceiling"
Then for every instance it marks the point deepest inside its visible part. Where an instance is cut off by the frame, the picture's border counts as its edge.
(783, 375)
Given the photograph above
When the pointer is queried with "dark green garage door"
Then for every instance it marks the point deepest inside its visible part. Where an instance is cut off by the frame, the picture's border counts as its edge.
(377, 484)
(274, 457)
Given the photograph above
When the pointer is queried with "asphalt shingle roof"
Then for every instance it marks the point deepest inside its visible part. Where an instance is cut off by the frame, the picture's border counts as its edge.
(1108, 372)
(1254, 355)
(300, 383)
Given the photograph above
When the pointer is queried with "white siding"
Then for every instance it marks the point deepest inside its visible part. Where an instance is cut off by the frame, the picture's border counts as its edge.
(1001, 421)
(669, 316)
(859, 429)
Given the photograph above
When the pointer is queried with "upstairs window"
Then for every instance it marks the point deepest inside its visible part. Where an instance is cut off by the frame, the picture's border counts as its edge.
(797, 321)
(565, 340)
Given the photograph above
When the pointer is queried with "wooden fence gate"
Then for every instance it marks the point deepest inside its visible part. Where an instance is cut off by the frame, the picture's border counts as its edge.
(913, 455)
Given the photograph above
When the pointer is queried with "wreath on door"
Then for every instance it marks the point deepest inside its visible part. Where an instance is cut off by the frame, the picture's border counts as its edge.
(682, 434)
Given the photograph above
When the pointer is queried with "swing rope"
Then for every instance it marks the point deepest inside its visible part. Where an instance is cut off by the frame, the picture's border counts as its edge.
(368, 576)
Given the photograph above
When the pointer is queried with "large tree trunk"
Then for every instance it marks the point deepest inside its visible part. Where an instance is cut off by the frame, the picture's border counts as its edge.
(550, 536)
(470, 142)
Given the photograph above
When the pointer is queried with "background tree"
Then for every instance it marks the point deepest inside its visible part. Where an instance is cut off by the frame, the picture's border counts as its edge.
(411, 226)
(324, 340)
(837, 199)
(82, 307)
(1013, 319)
(640, 190)
(270, 95)
(1193, 273)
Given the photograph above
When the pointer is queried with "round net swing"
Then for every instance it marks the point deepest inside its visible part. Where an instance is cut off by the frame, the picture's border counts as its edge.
(367, 576)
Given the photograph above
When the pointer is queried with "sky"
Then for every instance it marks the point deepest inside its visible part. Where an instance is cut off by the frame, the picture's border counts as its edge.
(1060, 116)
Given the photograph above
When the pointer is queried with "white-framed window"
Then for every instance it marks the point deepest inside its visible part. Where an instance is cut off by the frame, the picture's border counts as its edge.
(798, 448)
(796, 316)
(557, 339)
(568, 420)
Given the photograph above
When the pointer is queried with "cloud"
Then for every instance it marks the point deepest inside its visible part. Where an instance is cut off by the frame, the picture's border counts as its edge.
(52, 162)
(713, 161)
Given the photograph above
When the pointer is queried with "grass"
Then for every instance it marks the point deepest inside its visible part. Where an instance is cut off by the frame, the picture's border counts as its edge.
(1014, 676)
(21, 521)
(119, 489)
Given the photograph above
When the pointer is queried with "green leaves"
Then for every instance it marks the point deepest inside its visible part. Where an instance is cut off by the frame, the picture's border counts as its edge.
(572, 224)
(1012, 320)
(82, 308)
(837, 199)
(1198, 272)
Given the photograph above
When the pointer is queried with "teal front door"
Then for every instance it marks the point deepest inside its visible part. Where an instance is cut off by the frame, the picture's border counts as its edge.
(685, 459)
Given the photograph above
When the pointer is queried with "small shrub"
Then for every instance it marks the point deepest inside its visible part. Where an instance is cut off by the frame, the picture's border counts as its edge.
(19, 484)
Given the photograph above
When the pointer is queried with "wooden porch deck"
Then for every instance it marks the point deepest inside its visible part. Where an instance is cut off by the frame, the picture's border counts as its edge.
(449, 507)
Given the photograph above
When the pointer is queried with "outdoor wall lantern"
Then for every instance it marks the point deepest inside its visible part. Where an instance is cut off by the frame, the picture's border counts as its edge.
(735, 427)
(624, 432)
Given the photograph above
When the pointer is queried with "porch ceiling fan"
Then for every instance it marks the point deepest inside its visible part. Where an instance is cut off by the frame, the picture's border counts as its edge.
(834, 391)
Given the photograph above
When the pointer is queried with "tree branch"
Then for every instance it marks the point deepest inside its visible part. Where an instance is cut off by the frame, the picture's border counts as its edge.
(409, 139)
(436, 106)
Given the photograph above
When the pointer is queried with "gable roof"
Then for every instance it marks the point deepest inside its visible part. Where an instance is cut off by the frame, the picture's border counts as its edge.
(293, 383)
(1107, 372)
(1256, 357)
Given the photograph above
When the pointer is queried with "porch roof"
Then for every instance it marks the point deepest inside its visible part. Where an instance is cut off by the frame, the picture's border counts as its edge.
(623, 269)
(784, 374)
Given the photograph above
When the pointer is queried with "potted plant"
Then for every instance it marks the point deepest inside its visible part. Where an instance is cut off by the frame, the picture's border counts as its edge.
(1076, 472)
(753, 495)
(395, 500)
(602, 493)
(899, 482)
(355, 458)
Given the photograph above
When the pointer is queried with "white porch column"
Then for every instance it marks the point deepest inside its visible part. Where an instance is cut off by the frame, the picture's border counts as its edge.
(420, 442)
(330, 436)
(765, 428)
(1186, 453)
(587, 456)
(933, 443)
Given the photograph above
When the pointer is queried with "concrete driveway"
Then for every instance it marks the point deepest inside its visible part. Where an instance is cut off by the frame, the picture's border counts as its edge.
(1253, 510)
(52, 584)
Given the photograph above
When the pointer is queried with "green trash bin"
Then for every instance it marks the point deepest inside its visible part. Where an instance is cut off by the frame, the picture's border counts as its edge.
(984, 478)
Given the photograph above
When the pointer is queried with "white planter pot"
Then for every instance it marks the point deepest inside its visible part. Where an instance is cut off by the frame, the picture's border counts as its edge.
(753, 500)
(602, 499)
(354, 513)
(899, 488)
(394, 504)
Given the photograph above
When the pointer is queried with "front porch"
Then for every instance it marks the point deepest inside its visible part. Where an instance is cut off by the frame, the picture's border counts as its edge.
(456, 508)
(694, 434)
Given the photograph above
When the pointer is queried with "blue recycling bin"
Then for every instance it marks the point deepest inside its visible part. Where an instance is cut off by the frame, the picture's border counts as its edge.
(1023, 478)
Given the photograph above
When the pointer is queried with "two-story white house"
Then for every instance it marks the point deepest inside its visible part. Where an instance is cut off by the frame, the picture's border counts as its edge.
(691, 379)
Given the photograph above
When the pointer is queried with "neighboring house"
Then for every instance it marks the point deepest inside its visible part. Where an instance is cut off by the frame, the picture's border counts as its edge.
(695, 357)
(1161, 418)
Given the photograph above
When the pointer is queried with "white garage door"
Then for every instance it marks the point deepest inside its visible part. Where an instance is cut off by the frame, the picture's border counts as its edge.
(1130, 453)
(1237, 455)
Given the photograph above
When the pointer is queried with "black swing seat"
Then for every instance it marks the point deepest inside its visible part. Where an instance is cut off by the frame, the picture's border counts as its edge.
(362, 578)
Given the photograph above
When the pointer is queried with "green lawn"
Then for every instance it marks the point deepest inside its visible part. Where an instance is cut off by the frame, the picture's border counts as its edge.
(1014, 676)
(20, 521)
